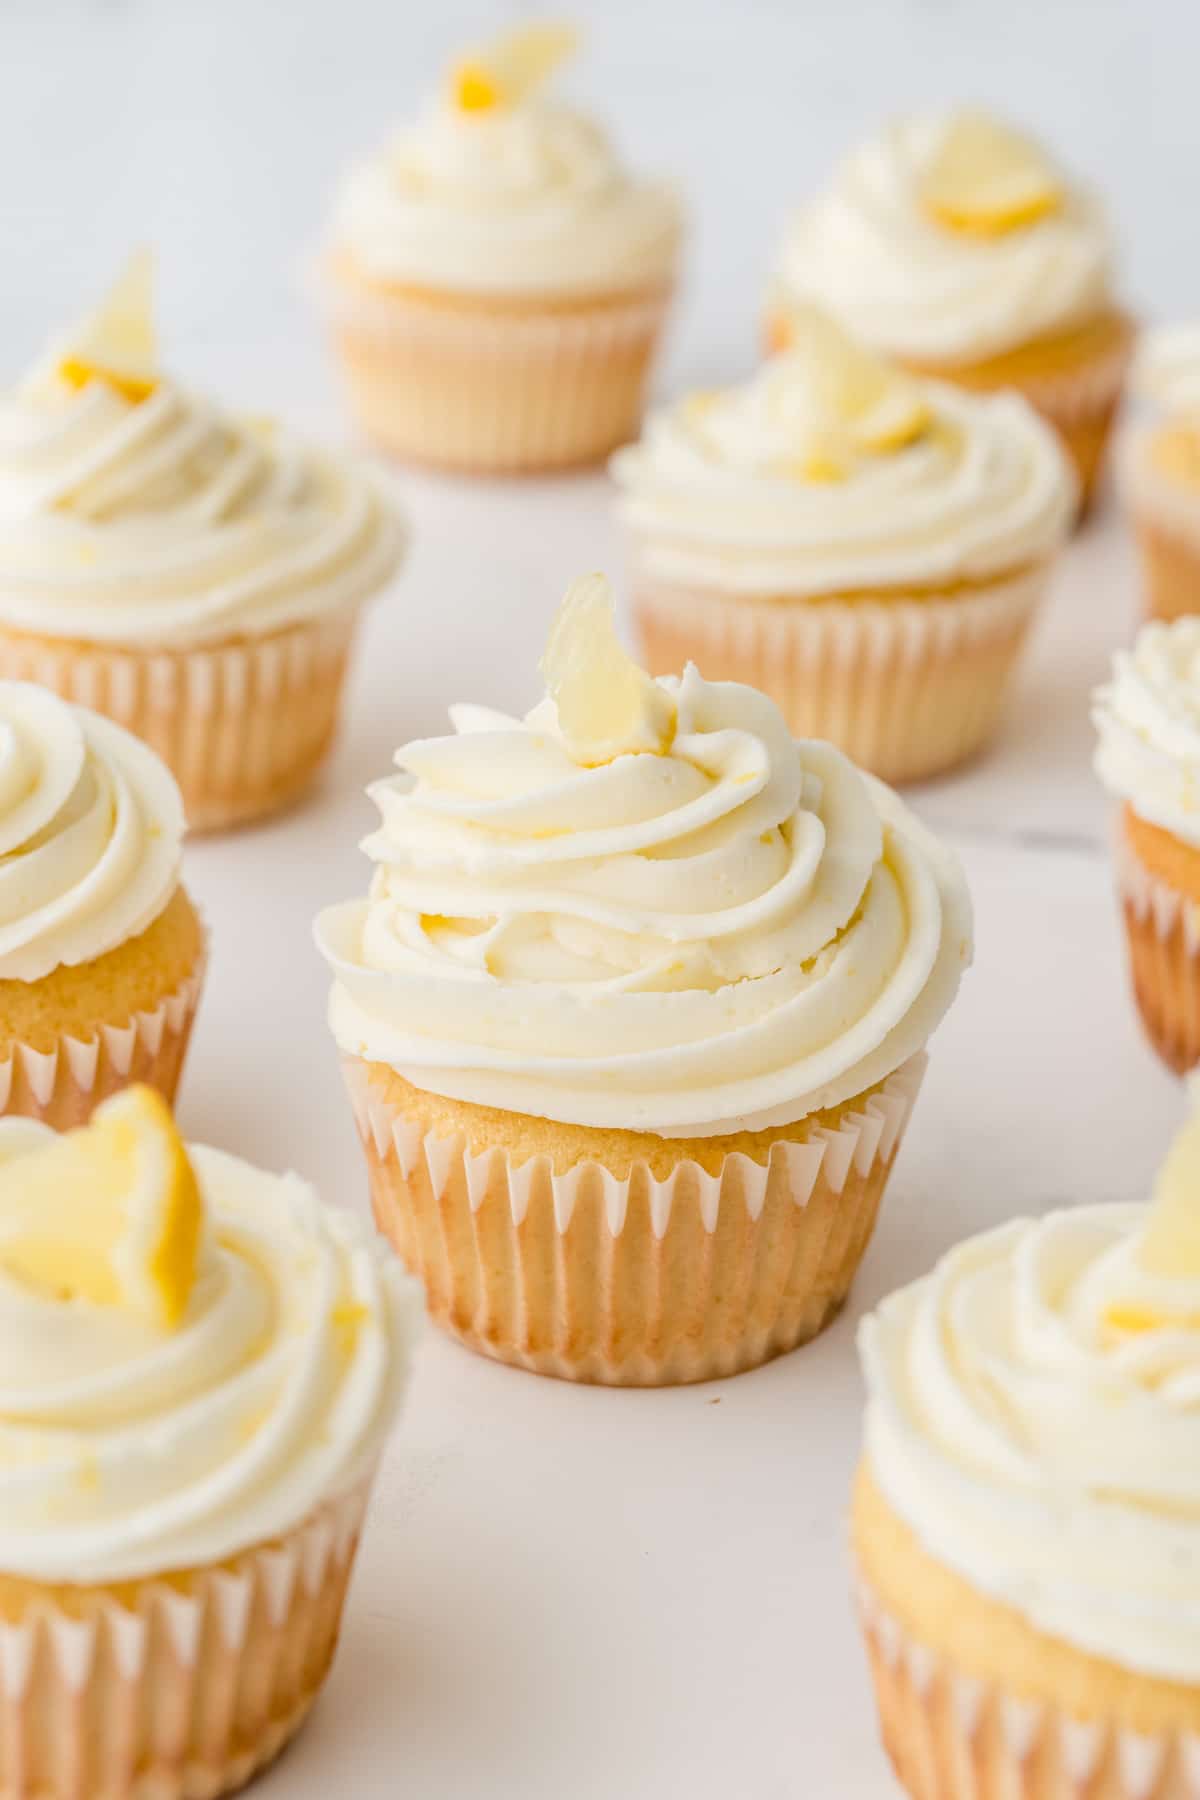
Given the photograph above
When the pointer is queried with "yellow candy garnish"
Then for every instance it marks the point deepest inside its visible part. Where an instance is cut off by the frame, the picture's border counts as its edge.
(117, 344)
(985, 179)
(1171, 1244)
(607, 705)
(110, 1214)
(852, 403)
(511, 68)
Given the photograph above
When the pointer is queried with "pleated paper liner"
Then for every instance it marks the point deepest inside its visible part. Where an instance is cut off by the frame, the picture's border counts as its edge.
(174, 1689)
(500, 389)
(954, 1736)
(1162, 928)
(908, 687)
(634, 1281)
(1166, 520)
(242, 726)
(63, 1086)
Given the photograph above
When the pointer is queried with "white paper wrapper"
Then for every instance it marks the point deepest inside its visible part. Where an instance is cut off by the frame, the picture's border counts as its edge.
(178, 1690)
(242, 726)
(634, 1280)
(952, 1736)
(63, 1086)
(1163, 932)
(501, 389)
(907, 687)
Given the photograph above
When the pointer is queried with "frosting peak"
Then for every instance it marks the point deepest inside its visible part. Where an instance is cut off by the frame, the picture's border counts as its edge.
(830, 473)
(134, 512)
(1033, 1416)
(950, 239)
(1148, 722)
(727, 931)
(91, 829)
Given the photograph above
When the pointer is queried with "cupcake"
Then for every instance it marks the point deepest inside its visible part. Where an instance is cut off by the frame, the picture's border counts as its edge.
(866, 547)
(196, 577)
(1026, 1522)
(634, 1015)
(101, 950)
(1148, 757)
(960, 248)
(1162, 471)
(201, 1364)
(497, 281)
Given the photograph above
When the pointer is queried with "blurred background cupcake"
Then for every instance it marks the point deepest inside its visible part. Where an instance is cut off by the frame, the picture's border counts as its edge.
(960, 247)
(634, 1016)
(1148, 757)
(197, 577)
(1162, 471)
(1028, 1506)
(201, 1366)
(101, 950)
(497, 281)
(865, 546)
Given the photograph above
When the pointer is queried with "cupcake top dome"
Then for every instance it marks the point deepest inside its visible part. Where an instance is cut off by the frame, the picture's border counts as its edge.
(1148, 721)
(832, 471)
(132, 511)
(642, 906)
(950, 238)
(1032, 1417)
(91, 830)
(498, 188)
(196, 1354)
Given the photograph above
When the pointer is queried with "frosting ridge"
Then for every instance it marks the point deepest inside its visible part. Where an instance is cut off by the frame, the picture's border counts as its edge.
(1147, 717)
(91, 830)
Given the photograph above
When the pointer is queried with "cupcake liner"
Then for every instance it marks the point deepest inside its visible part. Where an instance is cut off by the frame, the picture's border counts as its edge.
(63, 1086)
(490, 390)
(632, 1280)
(180, 1689)
(1166, 518)
(954, 1736)
(1081, 403)
(242, 725)
(1162, 928)
(908, 687)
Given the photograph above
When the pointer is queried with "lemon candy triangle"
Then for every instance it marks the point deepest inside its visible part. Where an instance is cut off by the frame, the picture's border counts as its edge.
(607, 705)
(512, 67)
(118, 344)
(985, 179)
(1169, 1247)
(110, 1215)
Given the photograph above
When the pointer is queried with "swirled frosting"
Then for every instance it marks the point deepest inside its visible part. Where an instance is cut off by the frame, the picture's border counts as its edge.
(729, 930)
(870, 252)
(129, 1450)
(714, 496)
(1167, 369)
(1034, 1417)
(91, 827)
(527, 199)
(1148, 721)
(162, 521)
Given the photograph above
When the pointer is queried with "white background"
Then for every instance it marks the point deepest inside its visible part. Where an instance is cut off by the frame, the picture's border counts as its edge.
(572, 1592)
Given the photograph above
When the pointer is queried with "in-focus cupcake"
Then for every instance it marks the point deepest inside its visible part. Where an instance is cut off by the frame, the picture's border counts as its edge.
(195, 576)
(1162, 471)
(497, 280)
(959, 247)
(634, 1016)
(1027, 1515)
(101, 950)
(1148, 757)
(201, 1364)
(866, 547)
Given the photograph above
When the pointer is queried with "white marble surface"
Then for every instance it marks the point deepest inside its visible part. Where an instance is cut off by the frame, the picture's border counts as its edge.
(570, 1591)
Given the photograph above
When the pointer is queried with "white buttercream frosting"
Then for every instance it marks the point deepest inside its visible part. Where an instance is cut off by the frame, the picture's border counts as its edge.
(1046, 1455)
(728, 932)
(527, 199)
(713, 495)
(870, 252)
(91, 828)
(163, 521)
(1167, 369)
(129, 1450)
(1148, 720)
